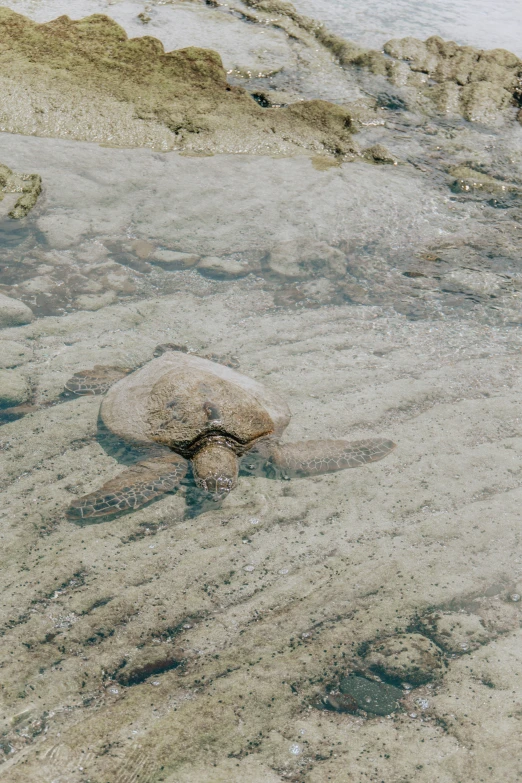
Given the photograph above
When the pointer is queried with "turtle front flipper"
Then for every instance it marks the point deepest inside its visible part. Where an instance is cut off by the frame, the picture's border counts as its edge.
(133, 488)
(95, 381)
(313, 457)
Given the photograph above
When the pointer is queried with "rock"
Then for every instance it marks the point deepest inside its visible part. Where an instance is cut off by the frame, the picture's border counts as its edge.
(354, 292)
(223, 267)
(456, 632)
(377, 698)
(416, 52)
(302, 258)
(483, 101)
(29, 185)
(134, 262)
(14, 389)
(92, 302)
(475, 83)
(187, 104)
(13, 312)
(379, 154)
(470, 180)
(142, 248)
(468, 281)
(408, 657)
(13, 354)
(171, 259)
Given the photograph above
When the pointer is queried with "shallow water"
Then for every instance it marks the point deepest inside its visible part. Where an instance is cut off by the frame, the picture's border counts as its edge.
(482, 24)
(264, 638)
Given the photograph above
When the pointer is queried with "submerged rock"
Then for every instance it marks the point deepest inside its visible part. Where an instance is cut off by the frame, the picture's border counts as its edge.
(13, 312)
(14, 388)
(469, 180)
(379, 154)
(409, 657)
(475, 83)
(470, 281)
(456, 632)
(223, 267)
(377, 698)
(302, 258)
(172, 259)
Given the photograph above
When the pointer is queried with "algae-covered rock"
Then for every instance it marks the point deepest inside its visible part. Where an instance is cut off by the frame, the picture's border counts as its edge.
(470, 180)
(130, 92)
(463, 80)
(28, 185)
(380, 155)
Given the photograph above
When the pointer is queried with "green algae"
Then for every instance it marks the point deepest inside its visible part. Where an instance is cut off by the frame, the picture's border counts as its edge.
(476, 84)
(185, 93)
(28, 185)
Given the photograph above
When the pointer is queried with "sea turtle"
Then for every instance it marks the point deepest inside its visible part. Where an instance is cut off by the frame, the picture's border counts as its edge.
(180, 408)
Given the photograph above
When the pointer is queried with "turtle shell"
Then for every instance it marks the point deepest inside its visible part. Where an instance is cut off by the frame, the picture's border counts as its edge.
(179, 398)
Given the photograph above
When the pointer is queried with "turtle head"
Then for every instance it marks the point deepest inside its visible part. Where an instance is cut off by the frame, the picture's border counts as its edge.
(215, 468)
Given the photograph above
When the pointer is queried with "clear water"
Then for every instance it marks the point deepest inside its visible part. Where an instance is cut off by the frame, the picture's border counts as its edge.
(478, 23)
(193, 641)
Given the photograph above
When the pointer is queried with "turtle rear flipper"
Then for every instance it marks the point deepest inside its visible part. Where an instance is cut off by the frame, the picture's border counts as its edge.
(95, 381)
(313, 457)
(133, 488)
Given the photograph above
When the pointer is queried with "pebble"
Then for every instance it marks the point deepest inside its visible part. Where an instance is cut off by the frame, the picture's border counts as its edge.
(171, 259)
(13, 312)
(14, 388)
(142, 248)
(223, 267)
(92, 302)
(302, 258)
(377, 698)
